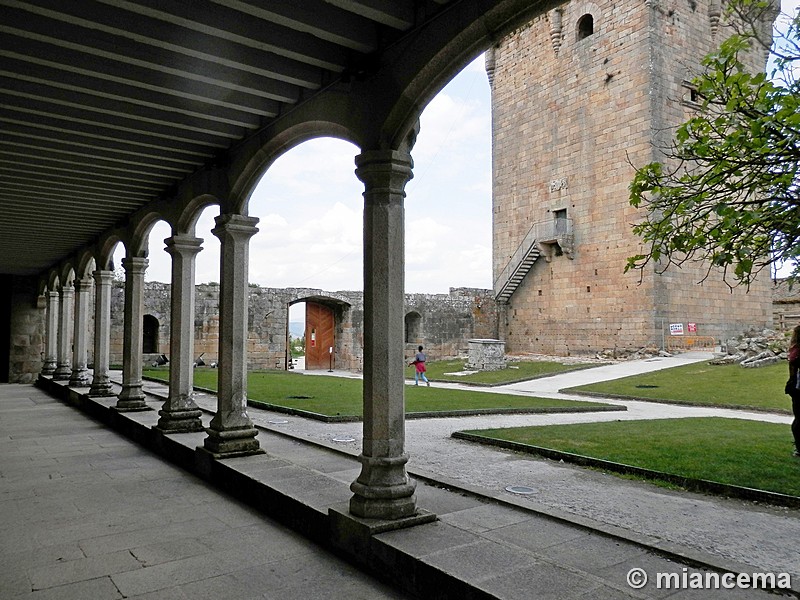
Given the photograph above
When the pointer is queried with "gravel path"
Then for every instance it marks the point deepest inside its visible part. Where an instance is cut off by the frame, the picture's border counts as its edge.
(765, 537)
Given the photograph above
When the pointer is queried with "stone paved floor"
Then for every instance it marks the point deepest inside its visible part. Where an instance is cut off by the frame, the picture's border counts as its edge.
(86, 514)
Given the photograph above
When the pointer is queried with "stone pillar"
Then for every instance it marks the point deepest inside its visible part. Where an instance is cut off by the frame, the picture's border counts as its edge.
(51, 333)
(80, 372)
(180, 413)
(132, 397)
(383, 489)
(231, 432)
(101, 385)
(65, 318)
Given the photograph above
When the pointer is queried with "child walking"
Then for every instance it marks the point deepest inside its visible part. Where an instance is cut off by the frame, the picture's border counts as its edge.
(419, 364)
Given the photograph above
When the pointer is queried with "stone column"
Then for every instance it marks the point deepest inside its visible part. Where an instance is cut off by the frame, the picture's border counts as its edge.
(180, 413)
(80, 372)
(101, 385)
(65, 318)
(51, 347)
(383, 489)
(231, 432)
(132, 397)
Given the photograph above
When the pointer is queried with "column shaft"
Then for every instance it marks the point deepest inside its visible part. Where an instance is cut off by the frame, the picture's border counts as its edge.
(180, 413)
(51, 347)
(101, 385)
(383, 489)
(231, 432)
(132, 397)
(65, 330)
(80, 376)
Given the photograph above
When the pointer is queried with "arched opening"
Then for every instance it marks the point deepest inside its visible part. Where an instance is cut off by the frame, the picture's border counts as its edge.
(149, 335)
(585, 26)
(413, 328)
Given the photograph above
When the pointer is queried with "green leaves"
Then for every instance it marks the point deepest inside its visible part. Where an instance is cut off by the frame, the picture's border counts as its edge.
(726, 190)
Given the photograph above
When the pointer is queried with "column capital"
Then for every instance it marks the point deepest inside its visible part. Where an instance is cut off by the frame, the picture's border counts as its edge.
(185, 245)
(384, 173)
(52, 295)
(238, 226)
(135, 265)
(66, 290)
(102, 277)
(82, 284)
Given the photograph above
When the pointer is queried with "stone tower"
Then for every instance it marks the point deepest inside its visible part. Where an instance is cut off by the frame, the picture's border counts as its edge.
(578, 95)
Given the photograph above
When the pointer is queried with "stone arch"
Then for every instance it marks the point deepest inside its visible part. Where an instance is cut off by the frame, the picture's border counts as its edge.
(104, 251)
(138, 242)
(454, 47)
(335, 334)
(53, 280)
(413, 327)
(67, 274)
(280, 142)
(85, 263)
(190, 213)
(584, 27)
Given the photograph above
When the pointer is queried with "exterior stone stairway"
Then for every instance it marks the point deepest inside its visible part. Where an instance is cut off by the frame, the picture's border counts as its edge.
(540, 240)
(515, 270)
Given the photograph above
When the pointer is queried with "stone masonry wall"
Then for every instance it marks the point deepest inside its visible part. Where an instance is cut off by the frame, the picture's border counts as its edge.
(26, 351)
(446, 322)
(569, 115)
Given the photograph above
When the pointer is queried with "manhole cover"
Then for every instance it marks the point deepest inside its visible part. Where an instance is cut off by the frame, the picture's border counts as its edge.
(344, 438)
(521, 489)
(278, 422)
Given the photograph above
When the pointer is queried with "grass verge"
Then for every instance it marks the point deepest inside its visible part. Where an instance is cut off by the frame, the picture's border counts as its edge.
(339, 396)
(441, 370)
(733, 452)
(729, 386)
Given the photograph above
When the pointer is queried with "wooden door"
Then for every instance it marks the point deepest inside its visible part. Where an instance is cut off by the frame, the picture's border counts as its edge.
(320, 326)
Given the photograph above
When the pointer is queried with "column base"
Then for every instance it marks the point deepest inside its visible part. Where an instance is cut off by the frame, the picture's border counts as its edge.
(49, 367)
(62, 373)
(231, 443)
(101, 386)
(179, 421)
(131, 399)
(383, 490)
(80, 378)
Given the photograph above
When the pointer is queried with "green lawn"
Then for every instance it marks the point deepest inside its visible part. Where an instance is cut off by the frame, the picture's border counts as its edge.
(751, 454)
(337, 396)
(515, 371)
(705, 384)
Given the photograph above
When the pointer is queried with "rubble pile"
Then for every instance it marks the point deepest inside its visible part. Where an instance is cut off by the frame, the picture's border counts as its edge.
(755, 349)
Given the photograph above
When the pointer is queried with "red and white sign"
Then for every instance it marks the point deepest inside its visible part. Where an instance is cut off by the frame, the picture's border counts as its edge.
(676, 328)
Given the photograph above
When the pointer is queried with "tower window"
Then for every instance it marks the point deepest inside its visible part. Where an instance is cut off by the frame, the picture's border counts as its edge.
(585, 26)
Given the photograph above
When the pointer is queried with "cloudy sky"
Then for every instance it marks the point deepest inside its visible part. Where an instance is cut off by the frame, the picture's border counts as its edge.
(310, 206)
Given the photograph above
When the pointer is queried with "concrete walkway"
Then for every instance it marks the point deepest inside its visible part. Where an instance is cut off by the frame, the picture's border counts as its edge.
(577, 536)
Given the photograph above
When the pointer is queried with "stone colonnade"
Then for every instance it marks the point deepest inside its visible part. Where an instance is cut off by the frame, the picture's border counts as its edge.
(383, 489)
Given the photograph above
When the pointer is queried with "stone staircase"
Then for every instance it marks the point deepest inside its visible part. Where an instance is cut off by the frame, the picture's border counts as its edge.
(537, 242)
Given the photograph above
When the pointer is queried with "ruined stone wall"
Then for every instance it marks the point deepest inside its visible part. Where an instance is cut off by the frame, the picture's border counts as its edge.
(570, 114)
(446, 322)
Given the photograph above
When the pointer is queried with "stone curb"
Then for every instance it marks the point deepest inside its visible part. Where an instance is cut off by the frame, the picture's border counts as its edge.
(689, 483)
(576, 392)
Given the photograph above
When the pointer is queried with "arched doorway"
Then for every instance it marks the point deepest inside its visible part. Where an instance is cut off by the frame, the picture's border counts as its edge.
(149, 335)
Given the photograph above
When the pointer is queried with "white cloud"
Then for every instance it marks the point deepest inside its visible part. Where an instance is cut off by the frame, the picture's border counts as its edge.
(310, 207)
